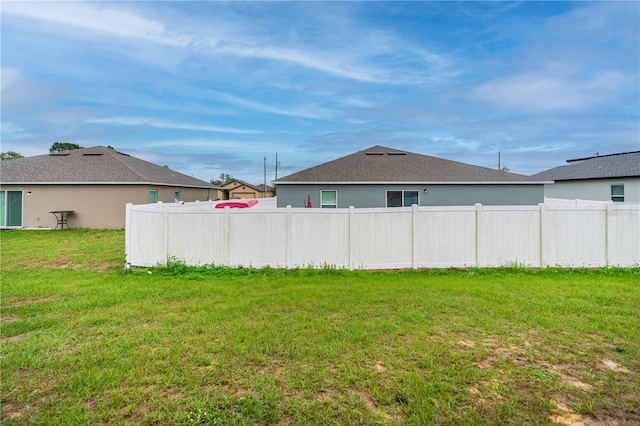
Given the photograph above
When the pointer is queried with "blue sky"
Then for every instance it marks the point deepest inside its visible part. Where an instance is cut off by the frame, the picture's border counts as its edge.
(214, 87)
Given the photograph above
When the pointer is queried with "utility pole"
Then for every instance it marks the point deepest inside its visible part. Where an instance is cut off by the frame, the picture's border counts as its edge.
(498, 160)
(277, 164)
(265, 177)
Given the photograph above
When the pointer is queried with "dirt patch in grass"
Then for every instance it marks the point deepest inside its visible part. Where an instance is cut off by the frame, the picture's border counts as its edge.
(17, 303)
(568, 417)
(15, 411)
(15, 338)
(572, 381)
(597, 402)
(371, 405)
(608, 364)
(379, 367)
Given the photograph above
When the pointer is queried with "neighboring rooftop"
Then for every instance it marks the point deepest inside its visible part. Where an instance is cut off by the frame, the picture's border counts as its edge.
(388, 165)
(238, 182)
(624, 164)
(96, 165)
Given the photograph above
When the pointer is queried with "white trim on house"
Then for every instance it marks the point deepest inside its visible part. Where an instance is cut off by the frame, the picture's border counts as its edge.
(113, 183)
(416, 183)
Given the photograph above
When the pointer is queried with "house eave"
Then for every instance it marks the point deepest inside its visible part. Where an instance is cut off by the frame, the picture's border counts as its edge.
(113, 183)
(596, 178)
(542, 182)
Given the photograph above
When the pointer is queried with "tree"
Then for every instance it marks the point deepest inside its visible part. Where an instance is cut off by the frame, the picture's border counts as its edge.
(64, 146)
(10, 155)
(223, 179)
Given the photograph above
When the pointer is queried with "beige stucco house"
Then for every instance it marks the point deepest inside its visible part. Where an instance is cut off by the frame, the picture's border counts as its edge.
(240, 189)
(95, 183)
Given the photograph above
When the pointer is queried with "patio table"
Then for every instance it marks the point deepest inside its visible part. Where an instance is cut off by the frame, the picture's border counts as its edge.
(62, 217)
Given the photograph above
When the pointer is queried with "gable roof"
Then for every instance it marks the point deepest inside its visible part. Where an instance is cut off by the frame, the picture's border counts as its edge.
(260, 188)
(624, 164)
(96, 165)
(237, 182)
(380, 164)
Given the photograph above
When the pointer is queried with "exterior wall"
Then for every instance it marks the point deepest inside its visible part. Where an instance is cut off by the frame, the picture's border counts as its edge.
(371, 196)
(94, 206)
(597, 190)
(237, 189)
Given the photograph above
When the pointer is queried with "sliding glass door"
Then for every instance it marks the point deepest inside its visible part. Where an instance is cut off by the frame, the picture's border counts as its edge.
(10, 208)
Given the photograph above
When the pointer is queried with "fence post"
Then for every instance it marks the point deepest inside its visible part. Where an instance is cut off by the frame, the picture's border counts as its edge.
(607, 214)
(289, 236)
(165, 223)
(226, 232)
(414, 248)
(351, 245)
(543, 230)
(478, 224)
(127, 235)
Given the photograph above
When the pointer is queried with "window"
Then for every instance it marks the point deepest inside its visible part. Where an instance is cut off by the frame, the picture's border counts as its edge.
(153, 196)
(10, 208)
(176, 196)
(402, 198)
(329, 199)
(617, 193)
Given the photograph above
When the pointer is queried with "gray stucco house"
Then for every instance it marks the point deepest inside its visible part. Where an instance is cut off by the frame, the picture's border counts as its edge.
(387, 177)
(612, 177)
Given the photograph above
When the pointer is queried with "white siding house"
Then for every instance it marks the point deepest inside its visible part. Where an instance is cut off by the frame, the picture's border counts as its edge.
(613, 177)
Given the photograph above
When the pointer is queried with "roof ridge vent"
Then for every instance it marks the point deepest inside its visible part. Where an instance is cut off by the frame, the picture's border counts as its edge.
(374, 153)
(92, 154)
(396, 153)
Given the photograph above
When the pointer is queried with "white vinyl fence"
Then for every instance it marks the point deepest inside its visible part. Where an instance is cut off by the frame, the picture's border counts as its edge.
(384, 238)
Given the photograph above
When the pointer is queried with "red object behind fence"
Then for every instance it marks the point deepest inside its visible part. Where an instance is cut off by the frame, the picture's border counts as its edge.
(237, 204)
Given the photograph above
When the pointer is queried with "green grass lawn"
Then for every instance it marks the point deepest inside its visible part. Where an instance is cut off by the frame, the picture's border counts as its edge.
(85, 342)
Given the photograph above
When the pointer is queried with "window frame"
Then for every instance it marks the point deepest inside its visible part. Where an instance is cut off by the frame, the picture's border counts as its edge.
(324, 205)
(153, 191)
(402, 197)
(176, 196)
(617, 198)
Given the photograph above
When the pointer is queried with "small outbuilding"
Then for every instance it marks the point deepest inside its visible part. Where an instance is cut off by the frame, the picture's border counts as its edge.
(236, 189)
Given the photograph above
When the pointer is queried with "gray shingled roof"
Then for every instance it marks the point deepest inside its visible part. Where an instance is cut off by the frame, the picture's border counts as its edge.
(97, 165)
(388, 165)
(626, 164)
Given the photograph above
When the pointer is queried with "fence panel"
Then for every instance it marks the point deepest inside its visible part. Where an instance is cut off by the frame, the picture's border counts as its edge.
(146, 238)
(381, 239)
(574, 236)
(509, 235)
(624, 236)
(445, 237)
(319, 237)
(195, 237)
(257, 238)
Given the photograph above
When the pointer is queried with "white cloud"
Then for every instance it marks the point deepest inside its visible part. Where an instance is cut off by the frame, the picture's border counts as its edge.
(93, 17)
(10, 76)
(226, 145)
(317, 60)
(548, 91)
(14, 132)
(304, 111)
(162, 124)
